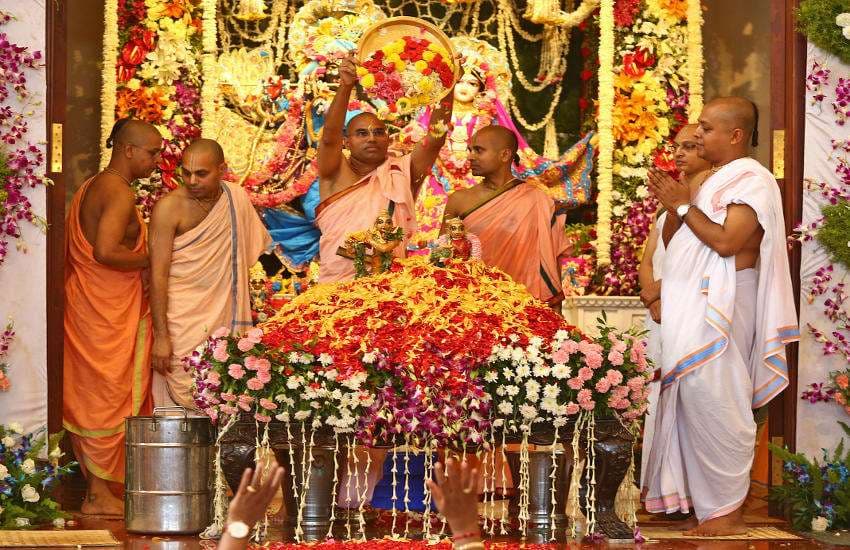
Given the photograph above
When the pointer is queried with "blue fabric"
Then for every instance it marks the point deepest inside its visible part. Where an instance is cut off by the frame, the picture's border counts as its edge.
(297, 236)
(382, 498)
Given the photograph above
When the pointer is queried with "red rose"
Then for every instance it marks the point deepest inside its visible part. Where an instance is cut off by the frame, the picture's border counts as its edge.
(644, 59)
(631, 67)
(125, 73)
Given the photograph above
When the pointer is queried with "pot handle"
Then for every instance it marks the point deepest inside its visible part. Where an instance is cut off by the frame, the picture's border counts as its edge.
(184, 426)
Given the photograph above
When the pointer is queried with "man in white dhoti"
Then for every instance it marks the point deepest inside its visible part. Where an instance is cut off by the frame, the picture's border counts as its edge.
(693, 171)
(728, 312)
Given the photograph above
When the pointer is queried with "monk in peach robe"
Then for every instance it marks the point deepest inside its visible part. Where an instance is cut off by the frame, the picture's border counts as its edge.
(107, 318)
(205, 236)
(520, 230)
(356, 189)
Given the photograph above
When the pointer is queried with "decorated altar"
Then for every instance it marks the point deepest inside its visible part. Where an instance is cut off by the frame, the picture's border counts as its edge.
(595, 87)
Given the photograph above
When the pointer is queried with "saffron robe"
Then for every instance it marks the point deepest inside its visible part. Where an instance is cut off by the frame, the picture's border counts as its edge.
(208, 285)
(356, 207)
(522, 234)
(107, 371)
(724, 334)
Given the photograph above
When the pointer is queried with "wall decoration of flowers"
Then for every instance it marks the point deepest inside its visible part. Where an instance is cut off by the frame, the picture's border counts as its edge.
(157, 78)
(26, 481)
(21, 162)
(826, 23)
(651, 80)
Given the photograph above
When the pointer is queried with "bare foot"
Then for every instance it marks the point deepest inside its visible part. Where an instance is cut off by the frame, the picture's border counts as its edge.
(684, 525)
(100, 501)
(730, 524)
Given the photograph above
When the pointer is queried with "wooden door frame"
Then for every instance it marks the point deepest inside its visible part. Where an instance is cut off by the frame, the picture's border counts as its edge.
(788, 71)
(56, 30)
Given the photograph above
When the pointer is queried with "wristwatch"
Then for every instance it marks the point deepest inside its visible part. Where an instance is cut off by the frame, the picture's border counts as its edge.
(682, 209)
(238, 529)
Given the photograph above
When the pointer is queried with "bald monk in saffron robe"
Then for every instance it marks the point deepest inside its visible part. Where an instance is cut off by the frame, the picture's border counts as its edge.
(354, 190)
(520, 230)
(107, 319)
(205, 236)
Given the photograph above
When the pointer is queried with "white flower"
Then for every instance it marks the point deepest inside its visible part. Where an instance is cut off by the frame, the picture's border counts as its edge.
(523, 371)
(618, 210)
(370, 357)
(302, 415)
(641, 192)
(491, 377)
(500, 391)
(527, 411)
(498, 423)
(306, 358)
(22, 522)
(517, 355)
(506, 408)
(354, 382)
(4, 471)
(549, 404)
(504, 354)
(283, 417)
(9, 441)
(551, 391)
(532, 386)
(842, 19)
(514, 338)
(512, 390)
(562, 334)
(560, 422)
(326, 359)
(535, 341)
(330, 374)
(293, 382)
(541, 370)
(507, 373)
(59, 523)
(293, 357)
(29, 494)
(560, 371)
(28, 466)
(846, 32)
(16, 427)
(820, 524)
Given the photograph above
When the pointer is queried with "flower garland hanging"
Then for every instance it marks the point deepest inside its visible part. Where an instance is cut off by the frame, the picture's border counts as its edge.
(606, 136)
(695, 60)
(650, 85)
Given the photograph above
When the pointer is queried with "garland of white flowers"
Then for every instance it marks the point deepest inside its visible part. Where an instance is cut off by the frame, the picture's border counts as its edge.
(220, 503)
(335, 485)
(109, 87)
(209, 90)
(695, 59)
(605, 180)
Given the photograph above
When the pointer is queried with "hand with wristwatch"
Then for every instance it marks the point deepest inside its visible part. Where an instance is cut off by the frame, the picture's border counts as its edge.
(249, 506)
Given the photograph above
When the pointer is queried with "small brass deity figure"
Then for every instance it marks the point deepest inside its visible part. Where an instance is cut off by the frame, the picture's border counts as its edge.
(372, 249)
(456, 245)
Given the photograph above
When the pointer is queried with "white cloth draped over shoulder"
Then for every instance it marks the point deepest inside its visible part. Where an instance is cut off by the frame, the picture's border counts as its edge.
(724, 337)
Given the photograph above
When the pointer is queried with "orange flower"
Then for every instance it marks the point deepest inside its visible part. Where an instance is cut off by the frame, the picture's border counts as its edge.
(842, 381)
(143, 104)
(677, 8)
(840, 399)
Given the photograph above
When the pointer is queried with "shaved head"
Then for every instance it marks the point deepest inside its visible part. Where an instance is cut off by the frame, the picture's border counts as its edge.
(502, 137)
(132, 132)
(738, 112)
(363, 119)
(687, 130)
(206, 146)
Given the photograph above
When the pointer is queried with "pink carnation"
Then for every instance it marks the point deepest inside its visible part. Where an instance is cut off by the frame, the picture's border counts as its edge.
(636, 383)
(244, 406)
(228, 396)
(621, 391)
(246, 399)
(575, 383)
(584, 396)
(638, 351)
(213, 378)
(251, 362)
(615, 357)
(614, 376)
(255, 384)
(570, 346)
(255, 335)
(228, 409)
(212, 413)
(603, 385)
(263, 365)
(618, 403)
(220, 352)
(245, 344)
(588, 405)
(235, 371)
(589, 347)
(585, 373)
(262, 417)
(221, 332)
(572, 408)
(264, 376)
(267, 404)
(561, 356)
(593, 359)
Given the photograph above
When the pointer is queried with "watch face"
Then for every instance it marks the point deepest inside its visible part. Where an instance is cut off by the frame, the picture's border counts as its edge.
(238, 530)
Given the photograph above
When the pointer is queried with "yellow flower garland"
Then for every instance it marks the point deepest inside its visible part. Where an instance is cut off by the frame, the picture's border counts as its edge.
(605, 128)
(108, 90)
(695, 59)
(209, 69)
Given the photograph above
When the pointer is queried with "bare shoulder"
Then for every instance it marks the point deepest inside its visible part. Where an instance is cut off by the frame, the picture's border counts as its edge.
(168, 208)
(108, 187)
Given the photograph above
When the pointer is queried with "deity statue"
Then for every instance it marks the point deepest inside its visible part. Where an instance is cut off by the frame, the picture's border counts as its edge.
(372, 249)
(456, 245)
(479, 100)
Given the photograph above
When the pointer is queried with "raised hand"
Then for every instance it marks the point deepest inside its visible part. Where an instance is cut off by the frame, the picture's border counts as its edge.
(348, 71)
(456, 497)
(253, 496)
(670, 192)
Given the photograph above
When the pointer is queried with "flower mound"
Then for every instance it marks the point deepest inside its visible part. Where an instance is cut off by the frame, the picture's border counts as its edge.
(407, 74)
